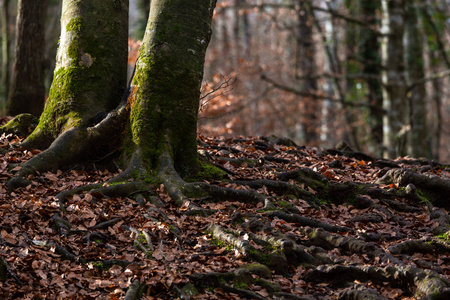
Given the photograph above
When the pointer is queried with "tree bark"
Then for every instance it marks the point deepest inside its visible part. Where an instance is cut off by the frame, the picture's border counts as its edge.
(395, 120)
(418, 139)
(160, 106)
(436, 123)
(369, 50)
(91, 68)
(434, 29)
(306, 64)
(167, 82)
(4, 83)
(27, 92)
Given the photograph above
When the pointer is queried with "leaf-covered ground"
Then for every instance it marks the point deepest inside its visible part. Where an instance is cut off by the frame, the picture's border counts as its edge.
(389, 242)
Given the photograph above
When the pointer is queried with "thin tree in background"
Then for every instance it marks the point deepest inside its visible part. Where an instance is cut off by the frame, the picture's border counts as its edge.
(351, 67)
(52, 31)
(369, 52)
(418, 138)
(330, 43)
(435, 125)
(27, 92)
(4, 22)
(395, 120)
(434, 25)
(349, 71)
(143, 11)
(306, 67)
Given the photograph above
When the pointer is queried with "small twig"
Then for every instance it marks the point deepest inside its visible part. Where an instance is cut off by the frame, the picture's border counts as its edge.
(5, 265)
(106, 224)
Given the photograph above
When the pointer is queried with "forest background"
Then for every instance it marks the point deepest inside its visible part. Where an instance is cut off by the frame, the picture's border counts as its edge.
(317, 72)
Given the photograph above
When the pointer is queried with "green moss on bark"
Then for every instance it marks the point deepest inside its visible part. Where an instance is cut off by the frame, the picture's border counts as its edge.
(90, 75)
(20, 125)
(168, 78)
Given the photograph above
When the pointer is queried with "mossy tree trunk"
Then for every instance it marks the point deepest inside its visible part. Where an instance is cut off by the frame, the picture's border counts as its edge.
(167, 83)
(27, 93)
(86, 115)
(91, 68)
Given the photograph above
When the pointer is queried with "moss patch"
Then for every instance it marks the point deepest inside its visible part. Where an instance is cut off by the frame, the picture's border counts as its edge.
(21, 125)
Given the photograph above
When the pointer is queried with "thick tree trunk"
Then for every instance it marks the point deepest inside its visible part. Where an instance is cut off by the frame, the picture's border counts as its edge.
(168, 79)
(418, 139)
(91, 68)
(395, 120)
(161, 104)
(27, 93)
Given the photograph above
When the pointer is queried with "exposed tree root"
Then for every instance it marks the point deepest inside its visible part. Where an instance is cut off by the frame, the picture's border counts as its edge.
(134, 290)
(359, 291)
(323, 239)
(5, 270)
(432, 187)
(72, 145)
(303, 221)
(21, 125)
(66, 254)
(411, 246)
(426, 284)
(241, 278)
(258, 236)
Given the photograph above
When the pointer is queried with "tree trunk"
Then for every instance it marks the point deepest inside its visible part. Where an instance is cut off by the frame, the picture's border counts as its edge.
(351, 67)
(437, 55)
(167, 82)
(369, 51)
(52, 33)
(27, 92)
(418, 139)
(395, 120)
(91, 68)
(436, 96)
(4, 83)
(160, 106)
(246, 32)
(306, 64)
(332, 64)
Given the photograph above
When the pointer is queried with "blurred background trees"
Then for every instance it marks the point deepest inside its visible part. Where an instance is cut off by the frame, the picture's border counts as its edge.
(27, 91)
(371, 72)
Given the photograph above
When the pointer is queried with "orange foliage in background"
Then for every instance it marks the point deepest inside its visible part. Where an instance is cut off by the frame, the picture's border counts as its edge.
(133, 50)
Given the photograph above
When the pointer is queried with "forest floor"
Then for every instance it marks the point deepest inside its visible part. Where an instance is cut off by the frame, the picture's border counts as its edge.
(100, 246)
